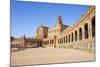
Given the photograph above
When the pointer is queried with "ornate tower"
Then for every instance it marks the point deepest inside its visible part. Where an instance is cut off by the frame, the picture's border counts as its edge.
(59, 24)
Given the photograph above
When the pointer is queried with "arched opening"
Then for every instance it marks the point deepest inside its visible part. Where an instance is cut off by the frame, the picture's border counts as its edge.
(66, 38)
(62, 40)
(86, 30)
(58, 41)
(45, 36)
(69, 37)
(93, 27)
(72, 37)
(75, 35)
(40, 43)
(80, 34)
(50, 41)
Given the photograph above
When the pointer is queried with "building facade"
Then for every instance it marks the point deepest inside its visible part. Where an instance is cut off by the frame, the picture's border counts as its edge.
(26, 42)
(79, 36)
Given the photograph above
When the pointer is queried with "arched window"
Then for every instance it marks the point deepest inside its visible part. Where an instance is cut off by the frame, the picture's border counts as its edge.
(93, 27)
(72, 37)
(69, 37)
(75, 35)
(86, 31)
(80, 33)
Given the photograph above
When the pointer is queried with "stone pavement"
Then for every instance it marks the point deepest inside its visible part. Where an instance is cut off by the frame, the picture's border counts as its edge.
(49, 55)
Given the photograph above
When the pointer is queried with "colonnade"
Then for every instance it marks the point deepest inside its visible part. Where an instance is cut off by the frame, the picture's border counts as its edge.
(81, 38)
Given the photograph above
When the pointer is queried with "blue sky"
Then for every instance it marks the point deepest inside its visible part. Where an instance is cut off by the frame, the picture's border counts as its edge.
(27, 16)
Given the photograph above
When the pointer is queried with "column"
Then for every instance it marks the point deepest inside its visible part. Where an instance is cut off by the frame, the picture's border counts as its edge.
(90, 28)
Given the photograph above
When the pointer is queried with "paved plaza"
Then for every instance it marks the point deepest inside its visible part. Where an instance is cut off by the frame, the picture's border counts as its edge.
(49, 55)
